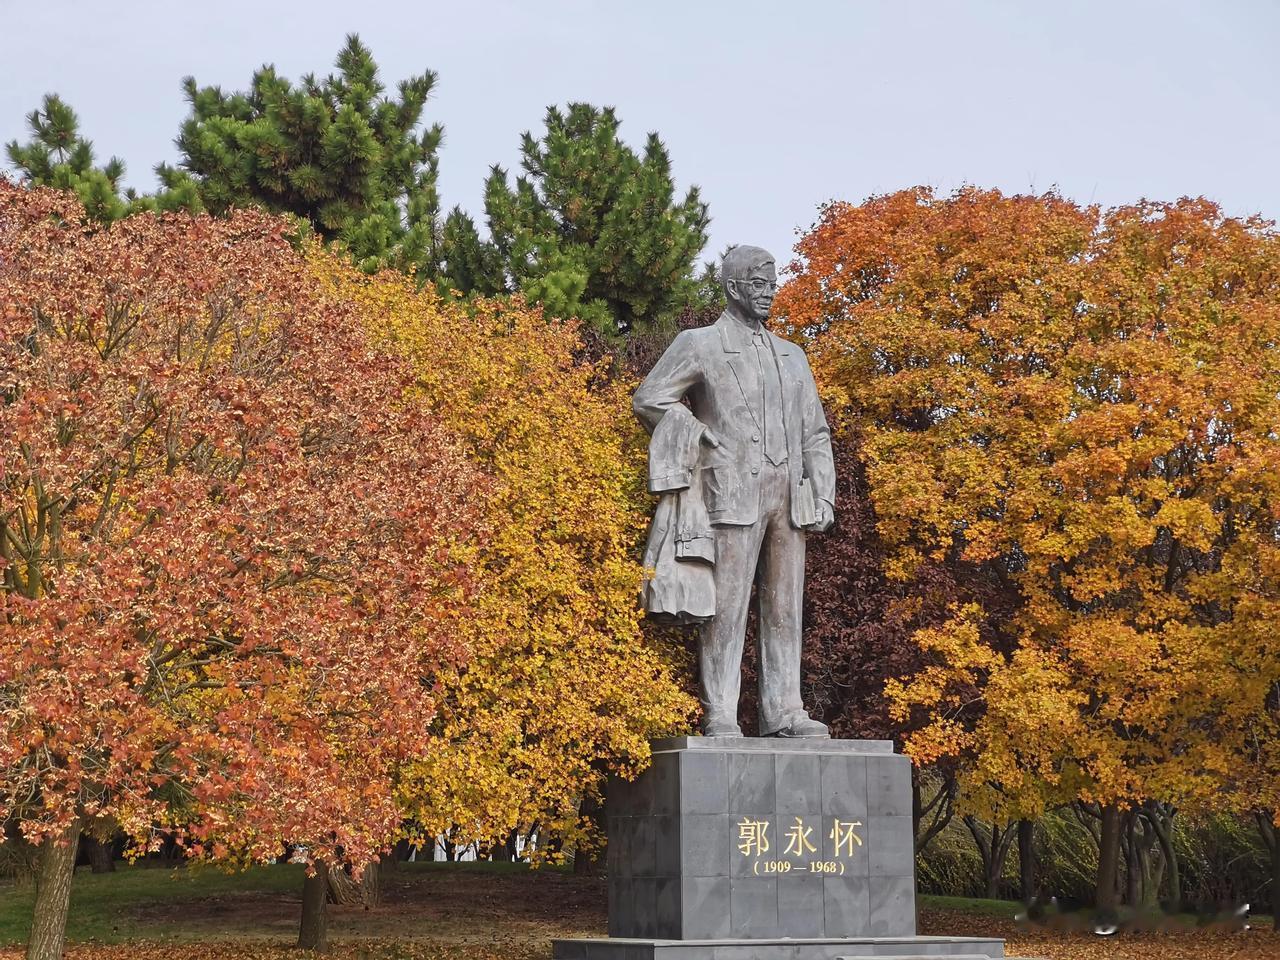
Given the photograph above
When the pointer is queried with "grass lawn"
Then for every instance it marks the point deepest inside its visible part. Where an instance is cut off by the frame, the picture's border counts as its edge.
(114, 907)
(436, 911)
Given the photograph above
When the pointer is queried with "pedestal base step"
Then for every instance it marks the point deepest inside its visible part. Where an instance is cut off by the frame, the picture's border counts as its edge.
(900, 948)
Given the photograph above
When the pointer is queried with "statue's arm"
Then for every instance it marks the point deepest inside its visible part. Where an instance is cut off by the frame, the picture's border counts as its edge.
(676, 371)
(818, 460)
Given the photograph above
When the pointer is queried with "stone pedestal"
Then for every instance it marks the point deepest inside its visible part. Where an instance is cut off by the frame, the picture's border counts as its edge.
(760, 848)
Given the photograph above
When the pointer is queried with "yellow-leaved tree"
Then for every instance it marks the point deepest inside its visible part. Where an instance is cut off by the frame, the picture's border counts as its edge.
(562, 686)
(1084, 404)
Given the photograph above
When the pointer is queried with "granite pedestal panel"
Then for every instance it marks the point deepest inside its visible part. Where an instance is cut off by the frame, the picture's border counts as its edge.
(764, 848)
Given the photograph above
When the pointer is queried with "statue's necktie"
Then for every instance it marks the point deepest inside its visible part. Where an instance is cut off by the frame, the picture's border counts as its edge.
(775, 438)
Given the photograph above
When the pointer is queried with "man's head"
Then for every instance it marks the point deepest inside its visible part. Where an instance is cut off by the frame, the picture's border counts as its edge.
(750, 281)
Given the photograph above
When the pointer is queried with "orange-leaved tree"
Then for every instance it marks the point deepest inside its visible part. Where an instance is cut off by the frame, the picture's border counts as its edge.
(229, 547)
(563, 685)
(1084, 404)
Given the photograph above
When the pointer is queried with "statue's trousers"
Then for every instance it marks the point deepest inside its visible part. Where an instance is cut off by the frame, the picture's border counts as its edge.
(778, 548)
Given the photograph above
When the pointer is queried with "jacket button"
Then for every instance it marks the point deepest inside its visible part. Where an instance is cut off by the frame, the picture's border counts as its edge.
(754, 471)
(755, 438)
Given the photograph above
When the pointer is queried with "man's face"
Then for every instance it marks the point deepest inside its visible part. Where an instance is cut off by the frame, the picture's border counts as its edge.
(755, 293)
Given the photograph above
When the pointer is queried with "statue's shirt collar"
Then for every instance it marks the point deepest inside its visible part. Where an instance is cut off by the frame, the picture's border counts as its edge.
(736, 336)
(746, 334)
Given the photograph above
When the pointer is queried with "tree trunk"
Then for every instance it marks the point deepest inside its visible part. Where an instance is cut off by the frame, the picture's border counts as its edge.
(1107, 888)
(930, 819)
(1160, 817)
(994, 850)
(22, 855)
(345, 889)
(1089, 816)
(1275, 882)
(99, 854)
(1150, 866)
(1132, 865)
(313, 933)
(371, 884)
(1027, 860)
(506, 850)
(55, 868)
(1271, 840)
(170, 852)
(586, 860)
(388, 865)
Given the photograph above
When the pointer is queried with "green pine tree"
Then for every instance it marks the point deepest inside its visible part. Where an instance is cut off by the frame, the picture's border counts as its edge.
(592, 229)
(336, 152)
(58, 156)
(470, 266)
(708, 292)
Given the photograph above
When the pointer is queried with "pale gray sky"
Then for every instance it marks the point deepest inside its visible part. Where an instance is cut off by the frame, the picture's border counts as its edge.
(772, 108)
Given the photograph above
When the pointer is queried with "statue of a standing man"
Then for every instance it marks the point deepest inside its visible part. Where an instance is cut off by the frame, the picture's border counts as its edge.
(764, 466)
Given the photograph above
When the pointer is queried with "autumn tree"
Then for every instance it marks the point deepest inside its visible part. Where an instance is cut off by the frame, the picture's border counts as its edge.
(563, 686)
(592, 229)
(57, 155)
(230, 547)
(1255, 787)
(1084, 403)
(860, 627)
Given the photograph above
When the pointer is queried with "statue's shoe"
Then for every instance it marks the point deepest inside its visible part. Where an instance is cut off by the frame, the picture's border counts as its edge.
(721, 728)
(804, 727)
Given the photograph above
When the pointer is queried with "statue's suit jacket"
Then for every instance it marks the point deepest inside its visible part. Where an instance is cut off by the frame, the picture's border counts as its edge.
(723, 387)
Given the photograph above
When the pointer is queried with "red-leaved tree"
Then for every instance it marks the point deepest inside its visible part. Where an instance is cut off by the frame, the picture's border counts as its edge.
(230, 547)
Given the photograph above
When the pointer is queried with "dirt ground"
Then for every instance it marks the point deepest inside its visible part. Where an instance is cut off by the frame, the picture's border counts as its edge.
(454, 907)
(509, 911)
(1058, 945)
(447, 915)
